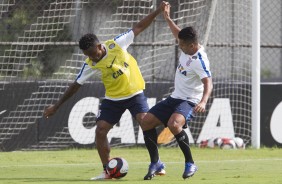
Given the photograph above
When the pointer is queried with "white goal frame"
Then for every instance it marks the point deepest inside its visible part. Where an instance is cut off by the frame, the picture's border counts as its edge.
(256, 73)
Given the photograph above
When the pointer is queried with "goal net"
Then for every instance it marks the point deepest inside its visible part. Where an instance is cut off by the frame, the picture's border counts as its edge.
(39, 58)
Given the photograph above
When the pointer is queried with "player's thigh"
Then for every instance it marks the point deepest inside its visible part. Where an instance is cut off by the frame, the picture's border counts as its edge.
(186, 109)
(150, 121)
(162, 111)
(140, 117)
(182, 115)
(110, 111)
(138, 106)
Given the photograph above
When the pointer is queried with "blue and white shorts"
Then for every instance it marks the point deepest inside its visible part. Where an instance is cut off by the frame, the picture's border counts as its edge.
(111, 111)
(164, 109)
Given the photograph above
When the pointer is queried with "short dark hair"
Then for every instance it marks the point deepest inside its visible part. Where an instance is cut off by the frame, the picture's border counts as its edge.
(188, 34)
(88, 40)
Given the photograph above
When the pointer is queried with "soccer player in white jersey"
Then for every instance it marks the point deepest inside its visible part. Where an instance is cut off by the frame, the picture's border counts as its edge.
(193, 86)
(121, 77)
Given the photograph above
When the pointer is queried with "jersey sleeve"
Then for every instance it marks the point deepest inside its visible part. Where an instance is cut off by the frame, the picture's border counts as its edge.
(85, 73)
(125, 39)
(202, 67)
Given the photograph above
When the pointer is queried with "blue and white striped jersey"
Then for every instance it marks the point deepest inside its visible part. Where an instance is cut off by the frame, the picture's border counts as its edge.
(191, 69)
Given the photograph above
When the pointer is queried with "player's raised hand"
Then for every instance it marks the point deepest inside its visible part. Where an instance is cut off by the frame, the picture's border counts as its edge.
(166, 10)
(163, 4)
(49, 111)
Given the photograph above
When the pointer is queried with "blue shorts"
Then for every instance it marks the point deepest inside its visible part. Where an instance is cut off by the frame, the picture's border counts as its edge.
(164, 109)
(111, 111)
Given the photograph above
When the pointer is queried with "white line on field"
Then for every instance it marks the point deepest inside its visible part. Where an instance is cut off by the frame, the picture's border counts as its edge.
(138, 163)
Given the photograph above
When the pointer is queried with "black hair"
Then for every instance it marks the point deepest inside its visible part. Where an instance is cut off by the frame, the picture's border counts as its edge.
(188, 34)
(88, 40)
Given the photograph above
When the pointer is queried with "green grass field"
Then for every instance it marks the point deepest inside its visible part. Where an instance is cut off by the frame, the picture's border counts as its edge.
(250, 166)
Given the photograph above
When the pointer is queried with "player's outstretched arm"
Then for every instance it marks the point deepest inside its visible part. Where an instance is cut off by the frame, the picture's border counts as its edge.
(173, 27)
(49, 111)
(145, 22)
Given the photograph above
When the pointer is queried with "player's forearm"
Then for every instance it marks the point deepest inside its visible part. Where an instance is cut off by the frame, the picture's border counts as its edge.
(208, 86)
(68, 93)
(145, 22)
(173, 27)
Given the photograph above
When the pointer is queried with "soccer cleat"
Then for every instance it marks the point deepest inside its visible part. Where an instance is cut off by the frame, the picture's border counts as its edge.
(102, 176)
(156, 168)
(190, 170)
(161, 172)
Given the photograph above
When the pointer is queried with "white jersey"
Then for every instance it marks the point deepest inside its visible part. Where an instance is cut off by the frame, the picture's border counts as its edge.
(191, 69)
(123, 40)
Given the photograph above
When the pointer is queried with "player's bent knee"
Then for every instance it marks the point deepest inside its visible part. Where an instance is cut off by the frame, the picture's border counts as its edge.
(149, 122)
(174, 127)
(145, 125)
(101, 131)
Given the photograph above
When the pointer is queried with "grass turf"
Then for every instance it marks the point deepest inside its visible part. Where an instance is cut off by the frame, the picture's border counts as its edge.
(250, 166)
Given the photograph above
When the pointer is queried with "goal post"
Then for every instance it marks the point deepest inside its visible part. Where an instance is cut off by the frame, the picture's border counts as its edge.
(256, 73)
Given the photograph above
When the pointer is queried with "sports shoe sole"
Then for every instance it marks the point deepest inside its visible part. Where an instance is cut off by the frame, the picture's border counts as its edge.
(160, 173)
(189, 176)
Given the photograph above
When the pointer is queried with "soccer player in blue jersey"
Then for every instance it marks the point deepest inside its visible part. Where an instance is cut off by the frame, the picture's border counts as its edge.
(193, 86)
(121, 77)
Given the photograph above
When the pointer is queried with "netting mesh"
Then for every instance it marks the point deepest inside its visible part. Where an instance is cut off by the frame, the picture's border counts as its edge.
(39, 58)
(230, 43)
(5, 5)
(271, 41)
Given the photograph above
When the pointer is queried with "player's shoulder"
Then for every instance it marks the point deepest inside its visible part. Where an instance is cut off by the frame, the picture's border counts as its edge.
(201, 55)
(124, 34)
(110, 44)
